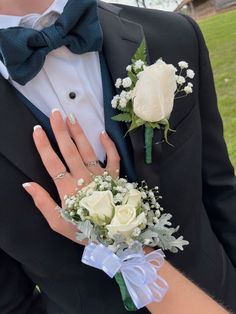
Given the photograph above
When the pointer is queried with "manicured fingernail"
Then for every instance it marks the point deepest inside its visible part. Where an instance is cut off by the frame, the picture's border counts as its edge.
(72, 118)
(104, 133)
(55, 110)
(28, 187)
(36, 127)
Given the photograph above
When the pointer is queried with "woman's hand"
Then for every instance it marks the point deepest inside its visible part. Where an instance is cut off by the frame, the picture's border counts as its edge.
(81, 162)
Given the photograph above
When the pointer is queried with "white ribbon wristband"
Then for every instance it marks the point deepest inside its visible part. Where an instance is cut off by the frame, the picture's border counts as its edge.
(140, 271)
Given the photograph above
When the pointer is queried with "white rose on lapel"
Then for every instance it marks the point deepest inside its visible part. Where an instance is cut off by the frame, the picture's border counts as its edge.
(154, 93)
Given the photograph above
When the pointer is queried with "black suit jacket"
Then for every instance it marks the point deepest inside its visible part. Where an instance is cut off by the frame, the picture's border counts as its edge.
(196, 181)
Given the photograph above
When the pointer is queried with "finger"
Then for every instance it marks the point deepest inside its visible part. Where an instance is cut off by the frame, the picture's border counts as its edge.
(85, 148)
(67, 146)
(52, 163)
(49, 210)
(113, 158)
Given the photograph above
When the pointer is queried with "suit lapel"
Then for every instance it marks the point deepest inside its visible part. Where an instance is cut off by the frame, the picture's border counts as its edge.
(121, 39)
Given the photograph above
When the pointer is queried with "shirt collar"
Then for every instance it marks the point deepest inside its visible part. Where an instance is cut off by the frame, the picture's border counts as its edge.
(13, 21)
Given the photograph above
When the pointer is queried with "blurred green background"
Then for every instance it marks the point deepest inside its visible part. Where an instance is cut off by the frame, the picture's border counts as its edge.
(220, 35)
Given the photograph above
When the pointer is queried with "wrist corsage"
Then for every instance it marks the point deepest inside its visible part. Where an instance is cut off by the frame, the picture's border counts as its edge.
(118, 219)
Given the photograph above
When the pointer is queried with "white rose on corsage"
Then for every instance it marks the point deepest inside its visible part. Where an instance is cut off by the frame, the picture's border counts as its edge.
(154, 89)
(99, 205)
(125, 221)
(154, 93)
(132, 198)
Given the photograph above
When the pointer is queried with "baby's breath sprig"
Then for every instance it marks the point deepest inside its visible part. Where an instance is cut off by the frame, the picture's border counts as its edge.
(184, 86)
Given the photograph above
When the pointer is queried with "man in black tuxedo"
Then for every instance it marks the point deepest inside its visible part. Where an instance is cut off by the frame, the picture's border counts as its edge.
(195, 176)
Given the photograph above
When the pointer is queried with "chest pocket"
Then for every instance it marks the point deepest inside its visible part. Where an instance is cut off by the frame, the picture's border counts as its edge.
(183, 128)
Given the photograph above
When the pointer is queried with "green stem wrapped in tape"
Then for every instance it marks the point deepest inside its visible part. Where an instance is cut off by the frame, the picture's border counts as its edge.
(149, 134)
(128, 302)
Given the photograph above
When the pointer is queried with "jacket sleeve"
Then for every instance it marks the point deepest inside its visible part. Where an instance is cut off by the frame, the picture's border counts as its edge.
(219, 182)
(18, 293)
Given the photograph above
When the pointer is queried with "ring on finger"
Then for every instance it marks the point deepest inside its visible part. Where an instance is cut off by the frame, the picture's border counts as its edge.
(92, 163)
(60, 176)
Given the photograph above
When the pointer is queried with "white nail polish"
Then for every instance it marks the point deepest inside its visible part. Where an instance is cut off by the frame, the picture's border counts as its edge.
(37, 127)
(72, 118)
(55, 110)
(104, 132)
(26, 185)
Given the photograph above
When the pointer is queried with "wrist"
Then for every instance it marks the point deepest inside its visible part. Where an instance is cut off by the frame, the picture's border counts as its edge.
(147, 249)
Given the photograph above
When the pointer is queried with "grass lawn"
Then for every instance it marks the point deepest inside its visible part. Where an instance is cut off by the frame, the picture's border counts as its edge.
(220, 35)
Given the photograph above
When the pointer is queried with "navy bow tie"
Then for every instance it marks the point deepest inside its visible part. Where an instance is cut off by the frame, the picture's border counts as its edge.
(23, 50)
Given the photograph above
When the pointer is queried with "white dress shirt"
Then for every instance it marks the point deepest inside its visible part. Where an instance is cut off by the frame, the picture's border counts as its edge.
(67, 81)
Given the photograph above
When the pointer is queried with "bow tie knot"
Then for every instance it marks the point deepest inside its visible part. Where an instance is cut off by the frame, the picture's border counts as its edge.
(53, 39)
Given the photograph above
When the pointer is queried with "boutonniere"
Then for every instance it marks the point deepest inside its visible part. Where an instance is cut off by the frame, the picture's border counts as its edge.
(148, 93)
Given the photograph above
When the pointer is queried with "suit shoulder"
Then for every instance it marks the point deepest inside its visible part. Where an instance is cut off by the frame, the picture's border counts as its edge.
(167, 33)
(156, 21)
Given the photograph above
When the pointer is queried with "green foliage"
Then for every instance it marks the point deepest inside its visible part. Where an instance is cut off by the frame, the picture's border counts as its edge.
(123, 117)
(139, 210)
(141, 53)
(127, 300)
(85, 230)
(219, 32)
(163, 236)
(133, 77)
(154, 125)
(149, 134)
(136, 123)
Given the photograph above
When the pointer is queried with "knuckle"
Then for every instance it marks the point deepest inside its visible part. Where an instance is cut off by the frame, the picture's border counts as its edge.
(88, 152)
(41, 141)
(50, 158)
(39, 201)
(116, 158)
(51, 161)
(70, 150)
(58, 126)
(111, 144)
(54, 225)
(77, 132)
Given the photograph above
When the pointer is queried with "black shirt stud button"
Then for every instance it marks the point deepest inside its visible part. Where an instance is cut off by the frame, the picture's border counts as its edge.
(72, 95)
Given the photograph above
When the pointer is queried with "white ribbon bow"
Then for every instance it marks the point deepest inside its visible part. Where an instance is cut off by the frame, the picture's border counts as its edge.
(139, 271)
